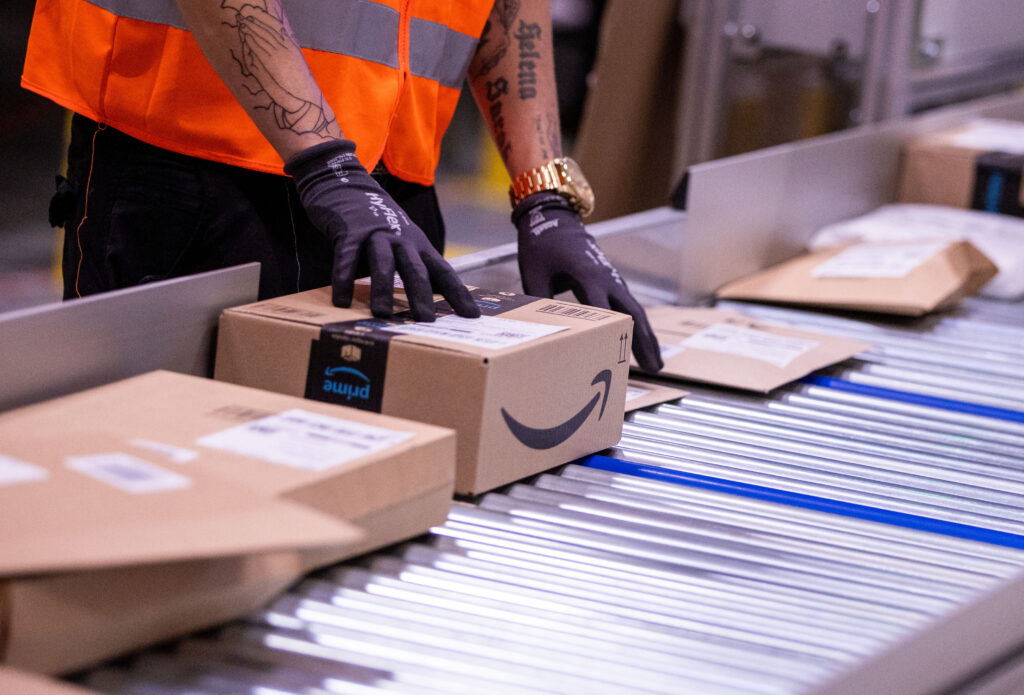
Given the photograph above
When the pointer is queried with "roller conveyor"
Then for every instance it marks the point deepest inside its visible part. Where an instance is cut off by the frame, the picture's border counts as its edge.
(728, 544)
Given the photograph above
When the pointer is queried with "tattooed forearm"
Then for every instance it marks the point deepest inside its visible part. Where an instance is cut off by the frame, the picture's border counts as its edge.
(489, 53)
(273, 68)
(542, 139)
(512, 78)
(494, 41)
(549, 138)
(553, 132)
(506, 11)
(527, 37)
(497, 89)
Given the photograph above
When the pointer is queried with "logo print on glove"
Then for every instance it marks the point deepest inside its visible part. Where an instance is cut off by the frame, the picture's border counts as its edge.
(550, 437)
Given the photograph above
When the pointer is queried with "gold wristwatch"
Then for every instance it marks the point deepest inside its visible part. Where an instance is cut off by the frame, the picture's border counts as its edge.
(562, 176)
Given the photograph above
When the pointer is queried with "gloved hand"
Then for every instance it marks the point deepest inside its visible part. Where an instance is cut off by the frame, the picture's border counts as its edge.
(359, 217)
(557, 254)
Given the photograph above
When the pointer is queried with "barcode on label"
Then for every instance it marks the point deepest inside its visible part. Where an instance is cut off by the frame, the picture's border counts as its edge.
(576, 312)
(303, 439)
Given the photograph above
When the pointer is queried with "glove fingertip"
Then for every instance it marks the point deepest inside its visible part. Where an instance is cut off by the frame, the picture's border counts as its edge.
(461, 301)
(469, 311)
(381, 309)
(648, 364)
(341, 297)
(423, 314)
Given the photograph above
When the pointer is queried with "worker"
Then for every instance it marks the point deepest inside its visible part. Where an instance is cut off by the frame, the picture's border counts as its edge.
(188, 112)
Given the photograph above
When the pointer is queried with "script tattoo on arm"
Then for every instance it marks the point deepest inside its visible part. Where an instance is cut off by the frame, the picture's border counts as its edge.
(270, 60)
(548, 136)
(512, 79)
(553, 133)
(527, 37)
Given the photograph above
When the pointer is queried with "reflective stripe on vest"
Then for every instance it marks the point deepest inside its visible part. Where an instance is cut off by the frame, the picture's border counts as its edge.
(354, 28)
(393, 72)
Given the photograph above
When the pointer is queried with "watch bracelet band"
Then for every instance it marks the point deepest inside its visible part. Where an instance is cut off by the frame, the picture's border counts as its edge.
(542, 178)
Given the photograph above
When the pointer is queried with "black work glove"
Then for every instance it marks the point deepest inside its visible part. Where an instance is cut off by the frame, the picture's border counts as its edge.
(557, 254)
(359, 217)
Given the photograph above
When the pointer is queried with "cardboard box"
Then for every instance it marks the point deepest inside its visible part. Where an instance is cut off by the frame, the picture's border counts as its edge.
(15, 682)
(641, 393)
(726, 348)
(977, 165)
(905, 278)
(532, 384)
(164, 503)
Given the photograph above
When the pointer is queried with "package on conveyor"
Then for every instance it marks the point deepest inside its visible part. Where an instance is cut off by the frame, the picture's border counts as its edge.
(908, 278)
(976, 165)
(161, 504)
(726, 348)
(643, 393)
(999, 237)
(531, 384)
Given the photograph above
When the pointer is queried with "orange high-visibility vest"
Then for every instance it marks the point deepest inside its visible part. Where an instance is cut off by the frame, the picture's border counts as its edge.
(391, 70)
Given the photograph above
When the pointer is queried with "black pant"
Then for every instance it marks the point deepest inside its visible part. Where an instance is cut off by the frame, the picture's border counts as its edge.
(151, 214)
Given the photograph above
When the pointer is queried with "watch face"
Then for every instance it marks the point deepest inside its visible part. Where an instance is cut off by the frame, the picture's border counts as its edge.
(576, 185)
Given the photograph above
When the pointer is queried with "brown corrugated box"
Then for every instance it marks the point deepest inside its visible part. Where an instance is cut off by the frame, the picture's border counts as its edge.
(15, 682)
(905, 278)
(977, 165)
(726, 348)
(164, 503)
(547, 385)
(641, 393)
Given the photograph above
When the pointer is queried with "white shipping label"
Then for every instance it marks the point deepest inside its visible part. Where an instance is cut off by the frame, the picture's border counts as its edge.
(888, 261)
(486, 332)
(127, 473)
(14, 471)
(779, 350)
(634, 392)
(306, 440)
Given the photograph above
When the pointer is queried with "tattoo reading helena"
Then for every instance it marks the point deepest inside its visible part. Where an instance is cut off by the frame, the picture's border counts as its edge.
(270, 58)
(528, 37)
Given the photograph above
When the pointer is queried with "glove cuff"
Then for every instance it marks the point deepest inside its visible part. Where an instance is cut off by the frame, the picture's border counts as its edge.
(542, 199)
(319, 157)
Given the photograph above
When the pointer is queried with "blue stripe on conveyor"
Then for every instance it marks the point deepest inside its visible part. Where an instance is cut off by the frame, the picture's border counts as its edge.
(916, 398)
(794, 499)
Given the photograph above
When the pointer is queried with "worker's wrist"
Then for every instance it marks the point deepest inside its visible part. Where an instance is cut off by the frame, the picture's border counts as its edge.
(338, 154)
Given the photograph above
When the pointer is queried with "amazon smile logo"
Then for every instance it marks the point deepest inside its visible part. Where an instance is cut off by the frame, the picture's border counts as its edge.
(550, 437)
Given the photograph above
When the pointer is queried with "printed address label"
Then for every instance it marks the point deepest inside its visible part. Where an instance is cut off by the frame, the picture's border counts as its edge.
(778, 350)
(13, 471)
(306, 440)
(487, 331)
(127, 473)
(888, 261)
